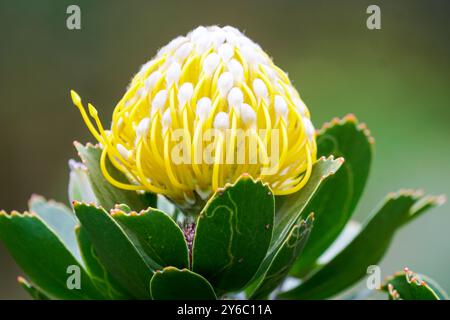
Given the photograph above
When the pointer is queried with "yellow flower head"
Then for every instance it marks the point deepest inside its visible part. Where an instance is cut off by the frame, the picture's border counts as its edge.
(208, 108)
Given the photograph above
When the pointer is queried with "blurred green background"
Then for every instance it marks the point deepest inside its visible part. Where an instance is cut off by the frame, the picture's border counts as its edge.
(395, 79)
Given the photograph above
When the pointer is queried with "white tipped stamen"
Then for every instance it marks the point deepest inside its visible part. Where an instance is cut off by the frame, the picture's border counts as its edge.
(281, 106)
(204, 106)
(210, 64)
(166, 120)
(301, 107)
(119, 123)
(250, 55)
(231, 38)
(309, 128)
(198, 33)
(203, 43)
(232, 30)
(244, 41)
(185, 93)
(124, 152)
(285, 171)
(219, 37)
(235, 97)
(225, 83)
(152, 79)
(270, 73)
(141, 92)
(226, 52)
(248, 115)
(159, 101)
(173, 73)
(292, 92)
(143, 127)
(222, 121)
(236, 68)
(175, 43)
(183, 51)
(260, 89)
(145, 66)
(130, 102)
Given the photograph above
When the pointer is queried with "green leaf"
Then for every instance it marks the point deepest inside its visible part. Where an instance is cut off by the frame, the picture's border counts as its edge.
(285, 257)
(101, 278)
(366, 249)
(60, 219)
(80, 188)
(233, 234)
(43, 256)
(437, 289)
(336, 200)
(290, 208)
(408, 285)
(34, 292)
(352, 228)
(115, 250)
(424, 204)
(108, 195)
(156, 236)
(174, 284)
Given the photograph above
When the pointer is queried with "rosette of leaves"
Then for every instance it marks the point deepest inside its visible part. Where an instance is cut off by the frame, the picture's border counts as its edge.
(245, 242)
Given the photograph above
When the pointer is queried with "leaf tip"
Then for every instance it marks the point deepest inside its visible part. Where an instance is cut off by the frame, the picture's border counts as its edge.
(413, 193)
(78, 204)
(440, 200)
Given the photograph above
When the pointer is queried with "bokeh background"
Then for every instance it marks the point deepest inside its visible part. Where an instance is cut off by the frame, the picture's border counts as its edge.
(395, 79)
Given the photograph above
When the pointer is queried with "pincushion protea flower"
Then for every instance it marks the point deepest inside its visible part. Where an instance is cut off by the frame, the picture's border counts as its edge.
(213, 78)
(248, 236)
